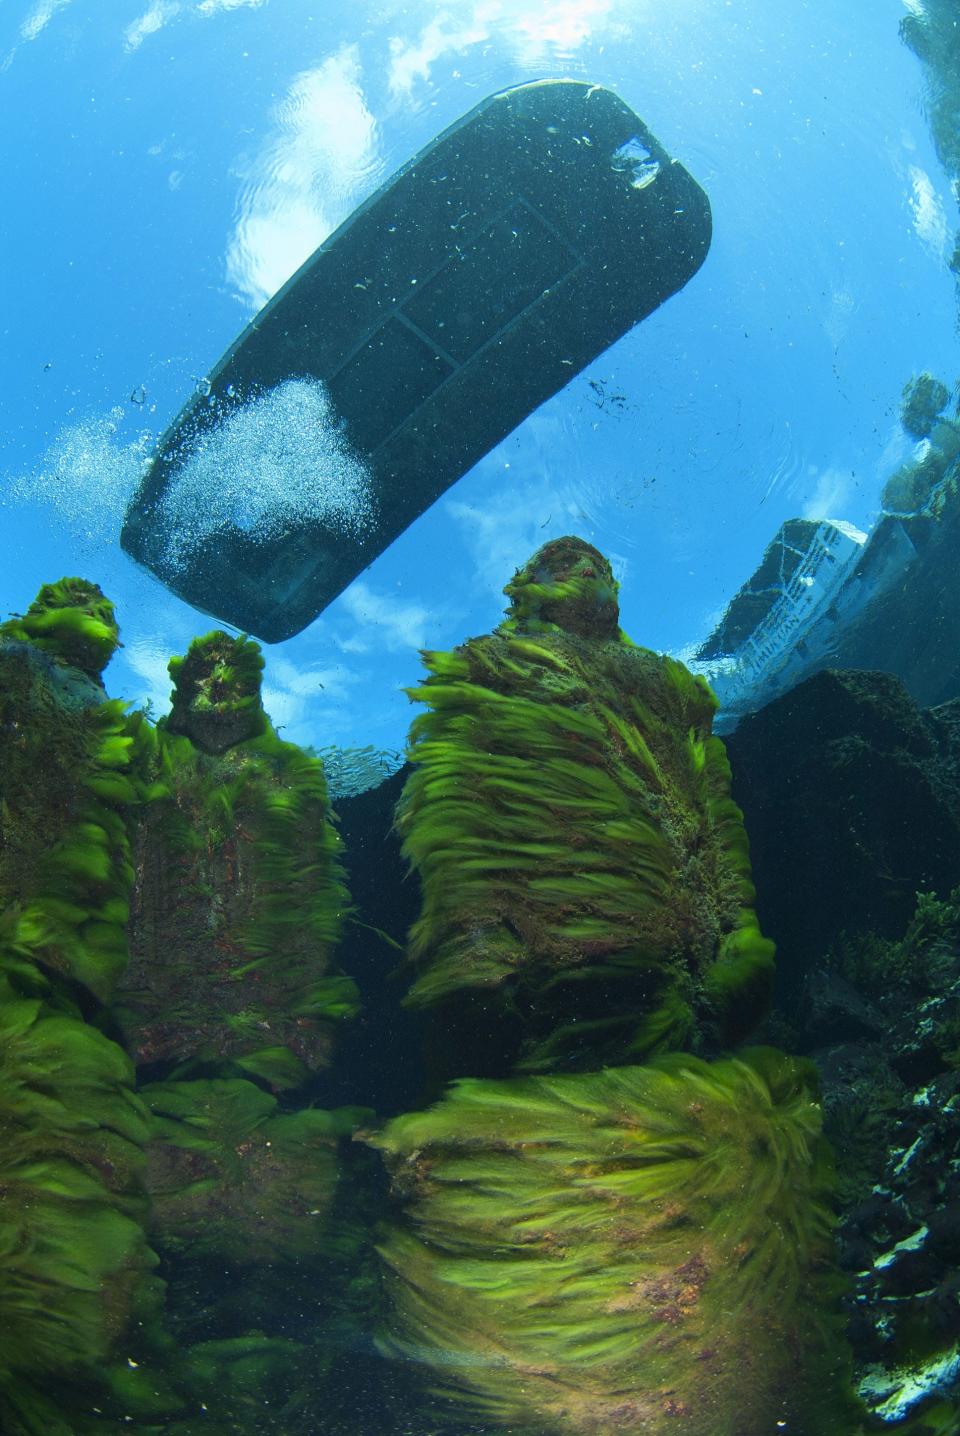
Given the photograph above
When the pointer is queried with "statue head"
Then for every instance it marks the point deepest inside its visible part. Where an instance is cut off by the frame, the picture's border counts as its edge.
(567, 585)
(216, 694)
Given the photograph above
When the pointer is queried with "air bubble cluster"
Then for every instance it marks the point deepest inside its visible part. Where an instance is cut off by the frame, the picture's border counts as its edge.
(279, 461)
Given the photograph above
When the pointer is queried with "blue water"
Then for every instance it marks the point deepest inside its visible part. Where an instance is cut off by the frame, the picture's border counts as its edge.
(167, 164)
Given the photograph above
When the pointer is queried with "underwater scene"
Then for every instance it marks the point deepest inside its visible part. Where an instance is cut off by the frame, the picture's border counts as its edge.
(480, 718)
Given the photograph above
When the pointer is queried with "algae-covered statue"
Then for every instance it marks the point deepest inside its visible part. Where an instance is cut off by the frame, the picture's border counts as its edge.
(205, 848)
(585, 872)
(239, 897)
(619, 1247)
(74, 767)
(612, 1235)
(230, 997)
(75, 1267)
(70, 622)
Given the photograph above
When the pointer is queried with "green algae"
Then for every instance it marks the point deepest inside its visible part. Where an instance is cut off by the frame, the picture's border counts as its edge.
(216, 695)
(233, 1177)
(640, 1249)
(72, 1246)
(71, 622)
(85, 1165)
(576, 1250)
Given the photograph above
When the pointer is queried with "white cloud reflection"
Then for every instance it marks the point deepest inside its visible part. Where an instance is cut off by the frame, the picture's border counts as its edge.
(382, 622)
(322, 153)
(559, 25)
(502, 536)
(211, 7)
(411, 60)
(152, 20)
(40, 17)
(161, 12)
(929, 219)
(303, 700)
(831, 494)
(148, 657)
(533, 33)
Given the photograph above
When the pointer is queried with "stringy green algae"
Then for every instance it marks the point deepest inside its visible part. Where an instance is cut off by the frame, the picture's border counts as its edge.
(72, 622)
(644, 1249)
(233, 1177)
(72, 1244)
(571, 821)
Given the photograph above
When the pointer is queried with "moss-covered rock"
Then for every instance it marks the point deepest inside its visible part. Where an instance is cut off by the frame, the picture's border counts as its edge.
(891, 1095)
(645, 1249)
(238, 903)
(925, 485)
(570, 818)
(851, 793)
(924, 400)
(253, 1382)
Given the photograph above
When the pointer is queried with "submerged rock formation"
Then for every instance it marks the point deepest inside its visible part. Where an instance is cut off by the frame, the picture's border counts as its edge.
(851, 796)
(889, 1059)
(642, 1248)
(74, 768)
(231, 995)
(233, 1177)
